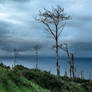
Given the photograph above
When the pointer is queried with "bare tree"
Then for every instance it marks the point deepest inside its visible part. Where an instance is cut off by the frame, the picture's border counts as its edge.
(64, 47)
(72, 65)
(54, 21)
(82, 74)
(89, 75)
(65, 73)
(36, 48)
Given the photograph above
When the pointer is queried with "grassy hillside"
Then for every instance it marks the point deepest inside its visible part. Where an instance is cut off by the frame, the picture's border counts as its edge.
(22, 79)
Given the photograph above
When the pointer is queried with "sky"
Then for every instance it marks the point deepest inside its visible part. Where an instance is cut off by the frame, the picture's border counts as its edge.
(18, 28)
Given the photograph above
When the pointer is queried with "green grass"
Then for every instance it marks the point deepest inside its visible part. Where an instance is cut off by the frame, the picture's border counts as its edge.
(22, 79)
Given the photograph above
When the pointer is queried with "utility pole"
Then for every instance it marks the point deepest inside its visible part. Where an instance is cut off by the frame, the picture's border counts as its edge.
(15, 55)
(36, 54)
(36, 49)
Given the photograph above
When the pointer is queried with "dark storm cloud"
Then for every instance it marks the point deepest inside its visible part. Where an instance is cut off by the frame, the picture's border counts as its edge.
(19, 24)
(73, 24)
(79, 21)
(82, 46)
(84, 18)
(81, 49)
(4, 30)
(20, 44)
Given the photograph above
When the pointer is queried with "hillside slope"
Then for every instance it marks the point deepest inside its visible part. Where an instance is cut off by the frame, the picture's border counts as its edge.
(22, 79)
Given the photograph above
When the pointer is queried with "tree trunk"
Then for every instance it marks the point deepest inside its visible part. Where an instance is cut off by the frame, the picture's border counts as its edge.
(70, 71)
(57, 64)
(73, 68)
(69, 61)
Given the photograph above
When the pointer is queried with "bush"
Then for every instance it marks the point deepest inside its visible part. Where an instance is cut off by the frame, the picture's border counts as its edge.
(4, 66)
(19, 67)
(44, 79)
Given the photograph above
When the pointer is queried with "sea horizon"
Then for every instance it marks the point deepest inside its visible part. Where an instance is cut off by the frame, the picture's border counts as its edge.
(49, 64)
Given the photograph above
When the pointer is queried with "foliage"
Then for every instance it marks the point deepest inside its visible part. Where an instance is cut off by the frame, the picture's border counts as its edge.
(22, 79)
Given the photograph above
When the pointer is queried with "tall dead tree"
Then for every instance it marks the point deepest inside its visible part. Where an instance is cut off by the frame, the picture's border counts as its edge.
(65, 73)
(89, 75)
(72, 65)
(54, 21)
(82, 74)
(70, 59)
(36, 48)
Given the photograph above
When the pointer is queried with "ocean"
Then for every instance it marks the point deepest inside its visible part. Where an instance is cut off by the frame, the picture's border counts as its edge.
(48, 64)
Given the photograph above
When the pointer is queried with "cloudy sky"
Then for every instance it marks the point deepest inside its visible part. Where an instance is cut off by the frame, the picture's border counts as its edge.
(18, 29)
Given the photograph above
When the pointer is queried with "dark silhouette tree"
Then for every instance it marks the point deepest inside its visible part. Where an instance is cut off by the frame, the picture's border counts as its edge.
(54, 21)
(36, 49)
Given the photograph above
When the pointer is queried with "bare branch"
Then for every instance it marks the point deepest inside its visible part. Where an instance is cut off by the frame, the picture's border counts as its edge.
(61, 29)
(49, 29)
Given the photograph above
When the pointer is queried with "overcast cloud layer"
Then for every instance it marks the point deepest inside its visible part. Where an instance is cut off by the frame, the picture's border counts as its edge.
(19, 30)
